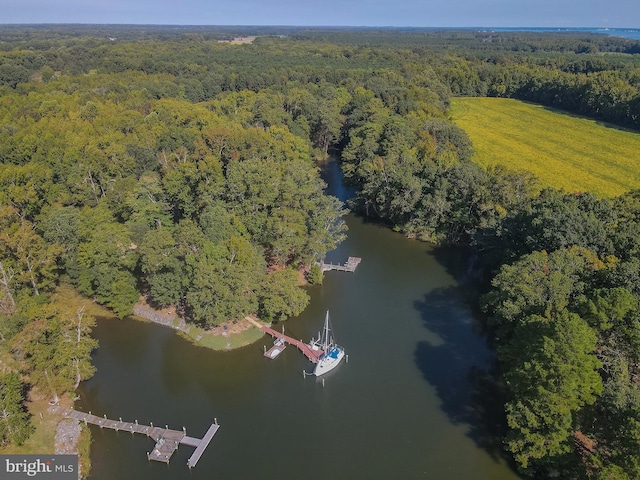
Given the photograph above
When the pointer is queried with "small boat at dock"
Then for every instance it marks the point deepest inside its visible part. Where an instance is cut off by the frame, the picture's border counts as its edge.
(278, 346)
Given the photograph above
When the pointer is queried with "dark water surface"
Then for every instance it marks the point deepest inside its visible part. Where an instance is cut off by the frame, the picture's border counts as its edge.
(414, 400)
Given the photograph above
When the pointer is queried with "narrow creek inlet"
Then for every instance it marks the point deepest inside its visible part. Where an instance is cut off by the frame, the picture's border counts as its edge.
(413, 401)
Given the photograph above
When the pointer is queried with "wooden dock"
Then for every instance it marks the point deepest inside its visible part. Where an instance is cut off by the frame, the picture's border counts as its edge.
(350, 266)
(312, 354)
(167, 440)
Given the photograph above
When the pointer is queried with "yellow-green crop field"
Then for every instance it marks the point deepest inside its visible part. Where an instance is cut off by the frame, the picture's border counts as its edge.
(562, 150)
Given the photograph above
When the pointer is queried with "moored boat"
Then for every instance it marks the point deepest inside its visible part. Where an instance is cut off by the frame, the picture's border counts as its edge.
(332, 353)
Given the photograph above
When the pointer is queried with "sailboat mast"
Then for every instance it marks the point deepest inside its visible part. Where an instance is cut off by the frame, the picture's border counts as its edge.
(325, 335)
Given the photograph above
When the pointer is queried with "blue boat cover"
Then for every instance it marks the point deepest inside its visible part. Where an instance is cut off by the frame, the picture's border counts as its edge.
(333, 353)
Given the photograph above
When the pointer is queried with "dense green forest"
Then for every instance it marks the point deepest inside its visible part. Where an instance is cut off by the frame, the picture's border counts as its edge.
(160, 162)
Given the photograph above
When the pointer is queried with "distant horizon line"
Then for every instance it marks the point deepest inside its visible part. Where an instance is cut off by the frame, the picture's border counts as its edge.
(413, 27)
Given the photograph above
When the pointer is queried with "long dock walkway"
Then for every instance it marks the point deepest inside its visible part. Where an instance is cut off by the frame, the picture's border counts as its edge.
(312, 354)
(167, 440)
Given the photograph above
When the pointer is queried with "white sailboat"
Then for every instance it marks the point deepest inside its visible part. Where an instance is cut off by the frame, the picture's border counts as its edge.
(332, 353)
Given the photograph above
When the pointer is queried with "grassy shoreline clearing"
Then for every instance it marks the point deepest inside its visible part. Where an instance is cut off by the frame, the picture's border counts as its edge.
(564, 151)
(224, 337)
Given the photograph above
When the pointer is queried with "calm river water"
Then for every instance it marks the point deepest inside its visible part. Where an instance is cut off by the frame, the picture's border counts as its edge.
(414, 401)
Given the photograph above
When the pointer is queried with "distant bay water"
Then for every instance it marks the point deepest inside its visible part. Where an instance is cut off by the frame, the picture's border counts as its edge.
(630, 33)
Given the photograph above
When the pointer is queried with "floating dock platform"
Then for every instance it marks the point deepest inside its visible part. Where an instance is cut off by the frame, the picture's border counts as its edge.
(350, 266)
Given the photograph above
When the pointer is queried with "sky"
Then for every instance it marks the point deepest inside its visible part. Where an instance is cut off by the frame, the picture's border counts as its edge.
(395, 13)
